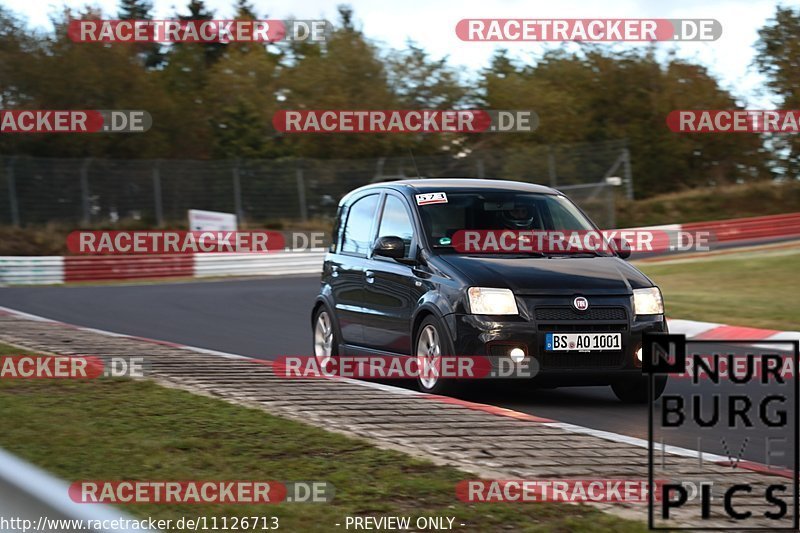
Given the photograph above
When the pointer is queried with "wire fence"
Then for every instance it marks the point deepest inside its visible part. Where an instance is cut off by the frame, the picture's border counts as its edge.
(96, 192)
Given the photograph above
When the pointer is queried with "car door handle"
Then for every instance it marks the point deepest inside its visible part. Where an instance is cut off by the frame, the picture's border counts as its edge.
(370, 276)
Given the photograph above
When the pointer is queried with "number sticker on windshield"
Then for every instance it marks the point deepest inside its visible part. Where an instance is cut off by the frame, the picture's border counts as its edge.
(431, 198)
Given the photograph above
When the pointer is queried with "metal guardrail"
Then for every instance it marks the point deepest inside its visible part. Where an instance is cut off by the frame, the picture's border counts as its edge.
(31, 270)
(52, 270)
(44, 270)
(122, 267)
(753, 228)
(28, 493)
(272, 264)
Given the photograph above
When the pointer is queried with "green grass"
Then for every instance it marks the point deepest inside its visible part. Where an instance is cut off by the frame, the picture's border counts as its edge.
(749, 289)
(119, 429)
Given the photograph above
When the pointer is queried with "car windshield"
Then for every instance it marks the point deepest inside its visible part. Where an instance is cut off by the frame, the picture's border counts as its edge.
(505, 210)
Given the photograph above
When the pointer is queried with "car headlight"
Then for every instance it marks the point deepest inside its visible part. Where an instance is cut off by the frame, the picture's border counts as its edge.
(648, 301)
(486, 301)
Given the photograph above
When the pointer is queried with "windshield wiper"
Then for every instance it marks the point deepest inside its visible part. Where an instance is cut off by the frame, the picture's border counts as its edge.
(509, 255)
(576, 254)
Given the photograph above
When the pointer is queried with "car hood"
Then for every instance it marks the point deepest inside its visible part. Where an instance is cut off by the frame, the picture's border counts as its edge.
(550, 275)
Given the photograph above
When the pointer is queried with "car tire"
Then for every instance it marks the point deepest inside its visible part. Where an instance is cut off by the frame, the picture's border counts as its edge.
(635, 390)
(326, 341)
(431, 343)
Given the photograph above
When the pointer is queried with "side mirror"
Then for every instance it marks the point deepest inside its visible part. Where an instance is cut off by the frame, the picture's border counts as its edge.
(621, 247)
(390, 246)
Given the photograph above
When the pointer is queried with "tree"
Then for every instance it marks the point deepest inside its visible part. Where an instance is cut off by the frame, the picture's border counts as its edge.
(185, 75)
(778, 59)
(135, 9)
(150, 53)
(346, 73)
(217, 101)
(596, 95)
(421, 82)
(240, 97)
(54, 72)
(199, 12)
(245, 10)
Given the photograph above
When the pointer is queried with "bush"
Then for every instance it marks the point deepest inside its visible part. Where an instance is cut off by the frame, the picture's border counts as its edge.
(717, 203)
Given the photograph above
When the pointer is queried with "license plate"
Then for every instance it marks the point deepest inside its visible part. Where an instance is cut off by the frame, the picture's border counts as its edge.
(582, 342)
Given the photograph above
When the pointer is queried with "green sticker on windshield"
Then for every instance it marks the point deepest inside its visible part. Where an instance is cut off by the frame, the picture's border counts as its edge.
(445, 241)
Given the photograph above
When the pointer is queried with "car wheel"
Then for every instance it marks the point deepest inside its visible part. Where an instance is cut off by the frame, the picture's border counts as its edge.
(635, 390)
(431, 344)
(325, 341)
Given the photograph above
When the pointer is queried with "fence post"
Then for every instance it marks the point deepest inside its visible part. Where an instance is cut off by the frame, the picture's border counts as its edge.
(159, 207)
(551, 165)
(626, 165)
(12, 192)
(301, 195)
(87, 214)
(237, 194)
(612, 207)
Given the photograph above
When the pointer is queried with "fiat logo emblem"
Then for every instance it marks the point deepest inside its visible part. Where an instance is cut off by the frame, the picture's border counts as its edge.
(580, 303)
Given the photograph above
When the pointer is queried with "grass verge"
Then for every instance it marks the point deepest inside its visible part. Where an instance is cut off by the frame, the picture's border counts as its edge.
(755, 289)
(712, 203)
(119, 429)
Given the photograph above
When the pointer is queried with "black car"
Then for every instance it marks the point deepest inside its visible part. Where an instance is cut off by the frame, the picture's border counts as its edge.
(393, 283)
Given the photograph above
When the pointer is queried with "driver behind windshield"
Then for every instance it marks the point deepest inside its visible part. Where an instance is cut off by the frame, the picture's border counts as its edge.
(520, 217)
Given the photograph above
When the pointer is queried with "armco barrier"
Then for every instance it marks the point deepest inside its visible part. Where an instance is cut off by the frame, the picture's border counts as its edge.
(41, 270)
(85, 268)
(31, 270)
(277, 263)
(45, 270)
(29, 493)
(754, 228)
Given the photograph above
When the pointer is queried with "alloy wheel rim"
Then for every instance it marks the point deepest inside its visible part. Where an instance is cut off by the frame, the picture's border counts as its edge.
(323, 339)
(429, 354)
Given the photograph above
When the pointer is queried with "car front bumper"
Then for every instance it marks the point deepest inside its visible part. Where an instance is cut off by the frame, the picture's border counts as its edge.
(481, 335)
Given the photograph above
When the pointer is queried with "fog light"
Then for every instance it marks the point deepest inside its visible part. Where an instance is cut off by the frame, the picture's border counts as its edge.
(639, 354)
(517, 355)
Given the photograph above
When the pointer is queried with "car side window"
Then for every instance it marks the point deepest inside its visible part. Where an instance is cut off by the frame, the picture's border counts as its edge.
(357, 236)
(395, 222)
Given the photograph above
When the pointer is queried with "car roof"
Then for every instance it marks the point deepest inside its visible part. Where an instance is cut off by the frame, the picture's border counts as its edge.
(423, 185)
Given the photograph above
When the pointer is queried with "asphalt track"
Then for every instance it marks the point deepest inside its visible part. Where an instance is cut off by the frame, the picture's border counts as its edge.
(269, 317)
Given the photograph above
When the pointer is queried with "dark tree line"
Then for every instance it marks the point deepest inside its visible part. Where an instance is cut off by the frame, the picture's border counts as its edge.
(216, 100)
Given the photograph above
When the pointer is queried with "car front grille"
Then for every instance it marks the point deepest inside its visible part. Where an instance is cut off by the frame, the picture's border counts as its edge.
(548, 314)
(567, 319)
(582, 328)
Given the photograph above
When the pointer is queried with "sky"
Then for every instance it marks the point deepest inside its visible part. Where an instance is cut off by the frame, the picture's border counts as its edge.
(431, 24)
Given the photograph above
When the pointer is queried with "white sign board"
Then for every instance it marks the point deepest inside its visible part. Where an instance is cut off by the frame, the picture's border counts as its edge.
(200, 220)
